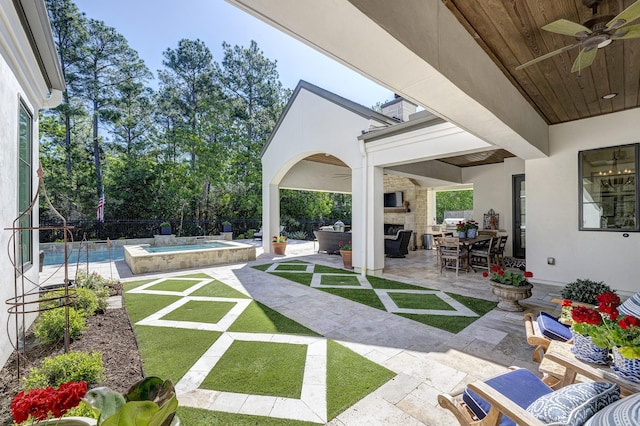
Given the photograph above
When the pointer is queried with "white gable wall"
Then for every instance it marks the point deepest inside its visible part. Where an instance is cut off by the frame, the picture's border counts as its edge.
(312, 125)
(552, 209)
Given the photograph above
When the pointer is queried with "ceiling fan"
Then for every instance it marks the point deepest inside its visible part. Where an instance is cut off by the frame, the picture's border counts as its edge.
(595, 33)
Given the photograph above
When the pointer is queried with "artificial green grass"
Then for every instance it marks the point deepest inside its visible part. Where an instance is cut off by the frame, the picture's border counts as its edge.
(135, 284)
(259, 318)
(339, 280)
(350, 377)
(420, 301)
(200, 311)
(219, 289)
(262, 267)
(383, 283)
(199, 275)
(170, 352)
(291, 267)
(321, 269)
(140, 306)
(199, 417)
(364, 296)
(173, 285)
(259, 368)
(299, 277)
(455, 324)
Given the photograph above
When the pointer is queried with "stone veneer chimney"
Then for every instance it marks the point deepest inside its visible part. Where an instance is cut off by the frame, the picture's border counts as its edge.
(399, 108)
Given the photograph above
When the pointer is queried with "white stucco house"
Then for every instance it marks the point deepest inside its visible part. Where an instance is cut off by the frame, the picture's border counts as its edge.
(30, 80)
(479, 111)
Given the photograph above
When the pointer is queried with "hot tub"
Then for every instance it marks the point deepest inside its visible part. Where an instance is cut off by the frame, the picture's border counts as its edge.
(145, 258)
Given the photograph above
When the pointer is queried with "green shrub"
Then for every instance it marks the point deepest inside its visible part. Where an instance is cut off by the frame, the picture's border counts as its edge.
(85, 300)
(250, 233)
(102, 287)
(585, 291)
(69, 367)
(49, 327)
(297, 235)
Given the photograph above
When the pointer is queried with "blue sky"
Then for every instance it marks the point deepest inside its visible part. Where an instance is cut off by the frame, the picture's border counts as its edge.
(153, 26)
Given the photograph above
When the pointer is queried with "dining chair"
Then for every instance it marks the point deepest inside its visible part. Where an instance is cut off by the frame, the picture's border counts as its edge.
(497, 253)
(453, 255)
(480, 255)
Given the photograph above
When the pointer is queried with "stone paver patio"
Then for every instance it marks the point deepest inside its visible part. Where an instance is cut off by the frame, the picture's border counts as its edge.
(427, 360)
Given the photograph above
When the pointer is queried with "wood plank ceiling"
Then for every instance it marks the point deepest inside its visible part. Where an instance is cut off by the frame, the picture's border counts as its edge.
(510, 33)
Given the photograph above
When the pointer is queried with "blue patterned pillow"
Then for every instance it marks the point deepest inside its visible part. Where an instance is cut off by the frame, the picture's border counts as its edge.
(574, 404)
(625, 412)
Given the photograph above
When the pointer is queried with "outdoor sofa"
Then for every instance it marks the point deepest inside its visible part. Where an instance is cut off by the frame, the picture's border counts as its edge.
(329, 241)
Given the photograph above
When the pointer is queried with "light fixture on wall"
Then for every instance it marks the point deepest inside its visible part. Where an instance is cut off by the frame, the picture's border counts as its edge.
(616, 177)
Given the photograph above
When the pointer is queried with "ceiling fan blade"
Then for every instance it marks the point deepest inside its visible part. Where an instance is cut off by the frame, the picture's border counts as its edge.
(628, 15)
(628, 32)
(548, 55)
(584, 59)
(563, 26)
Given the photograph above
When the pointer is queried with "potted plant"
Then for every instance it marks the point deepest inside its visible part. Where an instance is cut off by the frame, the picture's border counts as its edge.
(608, 329)
(165, 228)
(472, 228)
(585, 291)
(279, 244)
(509, 287)
(345, 252)
(226, 226)
(461, 229)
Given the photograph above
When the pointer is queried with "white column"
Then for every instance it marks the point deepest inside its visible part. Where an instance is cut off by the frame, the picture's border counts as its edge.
(270, 214)
(375, 220)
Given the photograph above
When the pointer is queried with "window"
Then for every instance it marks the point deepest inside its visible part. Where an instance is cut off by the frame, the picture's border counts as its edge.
(25, 173)
(609, 188)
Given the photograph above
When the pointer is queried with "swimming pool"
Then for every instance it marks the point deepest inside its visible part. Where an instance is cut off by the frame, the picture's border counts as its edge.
(144, 258)
(56, 256)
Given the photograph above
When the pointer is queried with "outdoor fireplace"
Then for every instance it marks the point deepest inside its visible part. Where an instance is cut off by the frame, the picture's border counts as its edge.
(392, 228)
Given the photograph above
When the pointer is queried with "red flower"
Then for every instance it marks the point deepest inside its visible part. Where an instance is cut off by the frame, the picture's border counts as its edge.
(566, 303)
(629, 321)
(582, 314)
(42, 401)
(495, 268)
(528, 274)
(500, 272)
(485, 274)
(609, 299)
(340, 243)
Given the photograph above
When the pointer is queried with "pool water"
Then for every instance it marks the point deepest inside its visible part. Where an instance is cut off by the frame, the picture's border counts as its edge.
(56, 257)
(188, 247)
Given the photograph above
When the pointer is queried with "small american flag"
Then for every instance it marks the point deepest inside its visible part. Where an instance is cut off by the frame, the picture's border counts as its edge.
(100, 212)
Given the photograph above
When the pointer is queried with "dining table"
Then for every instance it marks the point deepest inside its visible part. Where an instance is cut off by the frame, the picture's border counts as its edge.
(466, 243)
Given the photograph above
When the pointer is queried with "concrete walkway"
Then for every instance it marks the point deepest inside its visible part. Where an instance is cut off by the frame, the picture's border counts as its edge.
(427, 360)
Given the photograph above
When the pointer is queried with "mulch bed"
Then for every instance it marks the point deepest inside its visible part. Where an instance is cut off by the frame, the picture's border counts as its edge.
(110, 333)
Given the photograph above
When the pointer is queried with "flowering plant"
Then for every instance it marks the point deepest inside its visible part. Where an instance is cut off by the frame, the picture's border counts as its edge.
(513, 278)
(345, 246)
(43, 403)
(606, 327)
(279, 239)
(465, 226)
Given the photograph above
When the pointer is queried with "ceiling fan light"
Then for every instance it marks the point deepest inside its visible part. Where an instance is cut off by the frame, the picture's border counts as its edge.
(604, 43)
(609, 96)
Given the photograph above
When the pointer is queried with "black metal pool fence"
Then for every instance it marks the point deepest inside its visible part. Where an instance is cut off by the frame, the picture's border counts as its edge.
(138, 228)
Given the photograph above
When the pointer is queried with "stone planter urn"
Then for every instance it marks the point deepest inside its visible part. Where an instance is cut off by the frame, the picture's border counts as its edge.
(346, 258)
(279, 248)
(509, 295)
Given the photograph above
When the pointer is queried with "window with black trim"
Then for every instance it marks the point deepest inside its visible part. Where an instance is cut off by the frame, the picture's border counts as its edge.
(25, 174)
(609, 188)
